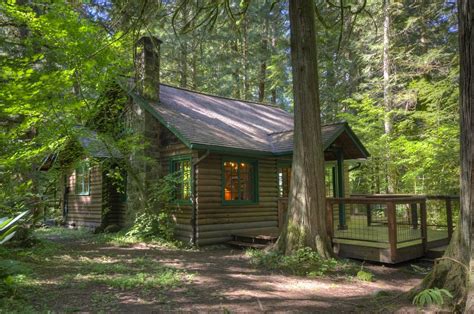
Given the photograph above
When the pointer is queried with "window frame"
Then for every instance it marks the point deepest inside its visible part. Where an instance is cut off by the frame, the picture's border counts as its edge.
(172, 170)
(80, 170)
(255, 191)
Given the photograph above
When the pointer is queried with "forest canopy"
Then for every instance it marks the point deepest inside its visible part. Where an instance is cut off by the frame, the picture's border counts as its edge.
(61, 62)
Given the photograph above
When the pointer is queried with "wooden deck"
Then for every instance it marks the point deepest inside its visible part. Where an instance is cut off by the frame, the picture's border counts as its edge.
(397, 233)
(388, 229)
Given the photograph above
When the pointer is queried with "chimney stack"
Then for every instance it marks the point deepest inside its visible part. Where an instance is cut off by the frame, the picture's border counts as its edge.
(148, 67)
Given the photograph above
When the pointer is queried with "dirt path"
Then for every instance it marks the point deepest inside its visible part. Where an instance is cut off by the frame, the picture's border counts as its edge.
(220, 280)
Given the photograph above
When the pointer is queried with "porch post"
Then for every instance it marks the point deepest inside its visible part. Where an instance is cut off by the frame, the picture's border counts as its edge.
(340, 188)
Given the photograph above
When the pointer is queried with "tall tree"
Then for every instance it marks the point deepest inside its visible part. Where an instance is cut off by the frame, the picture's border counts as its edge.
(387, 91)
(452, 271)
(306, 221)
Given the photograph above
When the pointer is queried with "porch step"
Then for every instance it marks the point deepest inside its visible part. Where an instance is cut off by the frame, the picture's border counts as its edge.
(436, 252)
(253, 240)
(241, 244)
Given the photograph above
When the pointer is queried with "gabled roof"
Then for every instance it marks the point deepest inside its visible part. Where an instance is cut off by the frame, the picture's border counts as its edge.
(90, 142)
(217, 123)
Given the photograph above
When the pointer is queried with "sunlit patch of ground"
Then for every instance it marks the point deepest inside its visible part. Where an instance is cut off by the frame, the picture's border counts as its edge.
(68, 272)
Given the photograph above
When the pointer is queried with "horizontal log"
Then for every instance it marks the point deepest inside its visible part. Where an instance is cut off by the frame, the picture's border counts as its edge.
(205, 221)
(183, 221)
(204, 171)
(230, 232)
(204, 188)
(213, 240)
(257, 224)
(236, 210)
(237, 215)
(183, 227)
(212, 194)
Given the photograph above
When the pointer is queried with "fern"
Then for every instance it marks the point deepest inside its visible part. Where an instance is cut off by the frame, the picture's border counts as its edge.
(431, 296)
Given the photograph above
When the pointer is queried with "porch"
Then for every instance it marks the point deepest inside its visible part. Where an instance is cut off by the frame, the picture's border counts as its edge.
(390, 228)
(382, 228)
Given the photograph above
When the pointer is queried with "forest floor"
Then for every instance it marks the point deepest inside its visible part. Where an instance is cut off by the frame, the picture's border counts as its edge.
(79, 272)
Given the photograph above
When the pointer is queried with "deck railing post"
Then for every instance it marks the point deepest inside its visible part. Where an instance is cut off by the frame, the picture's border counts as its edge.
(392, 230)
(449, 217)
(414, 215)
(424, 230)
(369, 215)
(330, 218)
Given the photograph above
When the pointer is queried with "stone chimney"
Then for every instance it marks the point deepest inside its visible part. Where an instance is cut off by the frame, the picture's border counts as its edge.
(147, 62)
(145, 160)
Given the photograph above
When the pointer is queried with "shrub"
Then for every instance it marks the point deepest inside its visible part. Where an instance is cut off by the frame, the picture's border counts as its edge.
(9, 226)
(431, 296)
(304, 262)
(156, 219)
(365, 276)
(11, 273)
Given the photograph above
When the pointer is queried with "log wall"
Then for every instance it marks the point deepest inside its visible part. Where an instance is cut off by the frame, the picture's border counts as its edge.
(216, 221)
(171, 147)
(114, 205)
(85, 210)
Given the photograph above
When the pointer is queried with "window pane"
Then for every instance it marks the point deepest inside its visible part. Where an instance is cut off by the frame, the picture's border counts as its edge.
(238, 181)
(186, 166)
(182, 168)
(245, 182)
(82, 186)
(227, 181)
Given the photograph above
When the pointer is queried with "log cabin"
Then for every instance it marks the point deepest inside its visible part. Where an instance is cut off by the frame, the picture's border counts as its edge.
(235, 157)
(233, 160)
(88, 197)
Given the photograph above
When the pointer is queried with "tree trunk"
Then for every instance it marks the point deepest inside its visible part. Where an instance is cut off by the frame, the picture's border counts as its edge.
(387, 92)
(245, 57)
(452, 271)
(305, 225)
(263, 63)
(236, 73)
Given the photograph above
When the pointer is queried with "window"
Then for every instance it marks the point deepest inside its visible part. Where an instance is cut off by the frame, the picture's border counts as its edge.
(284, 180)
(83, 179)
(239, 181)
(182, 168)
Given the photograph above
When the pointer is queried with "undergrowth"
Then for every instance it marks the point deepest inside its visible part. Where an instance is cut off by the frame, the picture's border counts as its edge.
(304, 262)
(24, 270)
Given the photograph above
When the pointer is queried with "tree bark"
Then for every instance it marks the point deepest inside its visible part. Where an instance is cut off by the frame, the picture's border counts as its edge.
(452, 272)
(387, 92)
(245, 57)
(305, 225)
(263, 63)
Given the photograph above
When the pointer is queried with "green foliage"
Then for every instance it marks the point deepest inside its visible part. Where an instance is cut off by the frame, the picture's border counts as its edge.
(160, 278)
(433, 296)
(9, 226)
(155, 221)
(304, 262)
(365, 276)
(12, 273)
